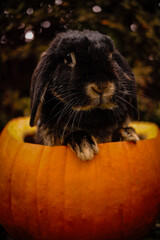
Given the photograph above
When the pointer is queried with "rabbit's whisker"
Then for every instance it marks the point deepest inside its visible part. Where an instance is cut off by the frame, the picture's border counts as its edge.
(141, 97)
(116, 113)
(74, 119)
(65, 110)
(48, 101)
(125, 101)
(66, 125)
(74, 114)
(55, 115)
(55, 106)
(63, 96)
(127, 93)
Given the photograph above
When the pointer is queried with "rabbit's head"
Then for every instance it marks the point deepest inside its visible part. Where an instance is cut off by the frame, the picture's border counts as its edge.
(85, 71)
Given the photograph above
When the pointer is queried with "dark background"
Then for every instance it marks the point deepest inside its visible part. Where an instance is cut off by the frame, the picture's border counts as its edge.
(27, 27)
(134, 26)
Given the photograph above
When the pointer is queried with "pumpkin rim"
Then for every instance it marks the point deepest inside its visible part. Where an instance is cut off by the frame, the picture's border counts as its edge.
(19, 127)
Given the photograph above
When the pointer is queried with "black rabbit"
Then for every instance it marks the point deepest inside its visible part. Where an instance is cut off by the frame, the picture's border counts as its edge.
(82, 93)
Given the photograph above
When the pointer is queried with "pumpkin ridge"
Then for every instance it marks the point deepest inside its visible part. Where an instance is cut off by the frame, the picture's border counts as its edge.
(64, 198)
(10, 186)
(36, 190)
(131, 176)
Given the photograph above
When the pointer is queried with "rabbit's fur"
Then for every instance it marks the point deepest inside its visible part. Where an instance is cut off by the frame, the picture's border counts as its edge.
(82, 93)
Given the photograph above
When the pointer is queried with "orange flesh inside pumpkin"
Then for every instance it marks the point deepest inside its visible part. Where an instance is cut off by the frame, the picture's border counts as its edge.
(47, 193)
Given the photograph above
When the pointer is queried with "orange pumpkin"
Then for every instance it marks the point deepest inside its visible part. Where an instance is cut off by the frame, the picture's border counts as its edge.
(47, 193)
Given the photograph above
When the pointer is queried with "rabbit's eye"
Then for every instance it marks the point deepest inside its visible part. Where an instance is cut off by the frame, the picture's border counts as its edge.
(110, 55)
(70, 59)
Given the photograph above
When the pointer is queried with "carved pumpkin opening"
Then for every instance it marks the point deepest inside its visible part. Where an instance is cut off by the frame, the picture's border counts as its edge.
(29, 138)
(145, 130)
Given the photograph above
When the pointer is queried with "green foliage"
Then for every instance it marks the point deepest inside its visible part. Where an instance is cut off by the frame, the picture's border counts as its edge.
(134, 26)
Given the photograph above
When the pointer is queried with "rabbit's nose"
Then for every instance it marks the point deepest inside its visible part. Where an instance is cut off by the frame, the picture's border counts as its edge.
(100, 90)
(96, 90)
(93, 90)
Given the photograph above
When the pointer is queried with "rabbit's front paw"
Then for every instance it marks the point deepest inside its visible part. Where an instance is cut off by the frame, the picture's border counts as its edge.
(83, 144)
(128, 134)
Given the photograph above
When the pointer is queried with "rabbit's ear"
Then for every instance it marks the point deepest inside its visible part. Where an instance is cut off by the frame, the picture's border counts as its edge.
(41, 79)
(39, 85)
